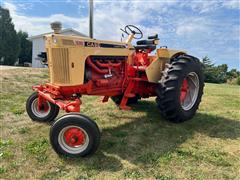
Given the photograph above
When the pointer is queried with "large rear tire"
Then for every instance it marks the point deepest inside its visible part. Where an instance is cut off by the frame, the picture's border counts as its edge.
(74, 135)
(180, 89)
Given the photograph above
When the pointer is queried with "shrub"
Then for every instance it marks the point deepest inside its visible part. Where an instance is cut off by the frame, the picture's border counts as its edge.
(238, 80)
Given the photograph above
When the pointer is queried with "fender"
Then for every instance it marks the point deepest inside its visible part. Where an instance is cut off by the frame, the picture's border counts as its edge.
(164, 56)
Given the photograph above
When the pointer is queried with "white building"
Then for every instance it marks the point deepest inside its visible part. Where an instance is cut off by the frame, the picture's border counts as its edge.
(38, 45)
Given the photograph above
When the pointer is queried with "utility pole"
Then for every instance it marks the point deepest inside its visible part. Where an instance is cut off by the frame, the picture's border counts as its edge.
(91, 18)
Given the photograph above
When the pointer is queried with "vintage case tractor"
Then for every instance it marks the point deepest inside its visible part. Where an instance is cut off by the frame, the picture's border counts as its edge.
(117, 70)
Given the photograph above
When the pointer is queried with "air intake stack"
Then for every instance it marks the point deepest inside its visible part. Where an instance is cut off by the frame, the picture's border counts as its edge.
(56, 27)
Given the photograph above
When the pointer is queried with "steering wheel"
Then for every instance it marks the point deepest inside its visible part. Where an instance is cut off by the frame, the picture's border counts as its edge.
(131, 29)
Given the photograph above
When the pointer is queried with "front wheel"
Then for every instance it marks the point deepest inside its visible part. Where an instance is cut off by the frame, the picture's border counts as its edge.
(74, 135)
(46, 113)
(180, 89)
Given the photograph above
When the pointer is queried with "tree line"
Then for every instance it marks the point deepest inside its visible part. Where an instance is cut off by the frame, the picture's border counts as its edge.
(219, 73)
(14, 46)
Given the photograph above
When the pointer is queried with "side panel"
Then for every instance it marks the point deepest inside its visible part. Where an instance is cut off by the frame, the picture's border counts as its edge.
(77, 65)
(154, 70)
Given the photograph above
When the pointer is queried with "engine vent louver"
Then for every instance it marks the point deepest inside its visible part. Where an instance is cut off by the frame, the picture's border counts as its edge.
(60, 66)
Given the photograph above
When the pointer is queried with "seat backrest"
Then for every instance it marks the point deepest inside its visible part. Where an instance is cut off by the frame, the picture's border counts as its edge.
(155, 37)
(145, 42)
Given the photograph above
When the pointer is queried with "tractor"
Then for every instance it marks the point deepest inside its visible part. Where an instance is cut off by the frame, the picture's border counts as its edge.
(119, 71)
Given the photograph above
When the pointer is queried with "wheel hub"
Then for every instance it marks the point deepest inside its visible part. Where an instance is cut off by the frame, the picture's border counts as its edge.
(189, 91)
(44, 107)
(184, 90)
(40, 111)
(74, 137)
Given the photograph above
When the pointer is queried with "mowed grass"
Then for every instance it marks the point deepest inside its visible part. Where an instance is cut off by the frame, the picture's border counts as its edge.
(136, 144)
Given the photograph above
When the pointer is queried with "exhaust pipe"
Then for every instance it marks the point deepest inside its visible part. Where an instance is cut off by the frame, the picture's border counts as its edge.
(56, 27)
(91, 18)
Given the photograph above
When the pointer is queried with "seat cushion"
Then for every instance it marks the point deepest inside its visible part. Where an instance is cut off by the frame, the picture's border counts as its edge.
(142, 47)
(145, 42)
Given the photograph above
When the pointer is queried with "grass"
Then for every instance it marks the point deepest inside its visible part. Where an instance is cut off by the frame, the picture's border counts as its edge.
(135, 144)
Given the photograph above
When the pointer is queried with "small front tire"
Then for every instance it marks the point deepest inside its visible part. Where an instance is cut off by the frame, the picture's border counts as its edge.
(74, 135)
(47, 113)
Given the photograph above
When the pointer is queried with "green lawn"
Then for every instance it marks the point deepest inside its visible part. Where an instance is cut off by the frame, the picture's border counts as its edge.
(135, 144)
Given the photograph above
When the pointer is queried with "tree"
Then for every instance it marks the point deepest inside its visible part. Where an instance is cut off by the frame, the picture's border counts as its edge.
(9, 46)
(208, 69)
(214, 74)
(25, 54)
(207, 62)
(220, 73)
(238, 80)
(234, 73)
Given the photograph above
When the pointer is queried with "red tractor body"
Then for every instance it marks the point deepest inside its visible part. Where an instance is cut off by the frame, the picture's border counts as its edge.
(81, 66)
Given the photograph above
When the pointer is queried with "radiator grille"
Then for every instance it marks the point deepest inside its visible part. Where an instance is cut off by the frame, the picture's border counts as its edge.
(60, 66)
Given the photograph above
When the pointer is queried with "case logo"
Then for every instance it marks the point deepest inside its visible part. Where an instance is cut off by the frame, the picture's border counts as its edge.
(91, 44)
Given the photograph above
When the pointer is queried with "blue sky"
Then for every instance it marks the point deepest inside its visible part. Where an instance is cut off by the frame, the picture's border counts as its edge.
(200, 27)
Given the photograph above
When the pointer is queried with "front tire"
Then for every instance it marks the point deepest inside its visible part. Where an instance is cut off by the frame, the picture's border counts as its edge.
(180, 89)
(47, 113)
(74, 135)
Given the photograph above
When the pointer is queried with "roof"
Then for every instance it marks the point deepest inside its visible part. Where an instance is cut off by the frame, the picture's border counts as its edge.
(62, 31)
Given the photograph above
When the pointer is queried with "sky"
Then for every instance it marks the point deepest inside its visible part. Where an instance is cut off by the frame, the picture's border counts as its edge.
(201, 27)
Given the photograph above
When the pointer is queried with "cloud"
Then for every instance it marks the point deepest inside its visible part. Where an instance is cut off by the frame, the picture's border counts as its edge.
(232, 4)
(11, 7)
(192, 26)
(201, 27)
(111, 16)
(37, 25)
(207, 6)
(203, 6)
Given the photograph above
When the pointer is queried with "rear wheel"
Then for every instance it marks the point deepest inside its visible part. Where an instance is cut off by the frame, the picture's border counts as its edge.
(46, 113)
(74, 135)
(180, 89)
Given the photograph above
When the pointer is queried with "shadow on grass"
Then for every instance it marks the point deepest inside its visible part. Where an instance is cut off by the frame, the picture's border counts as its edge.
(149, 138)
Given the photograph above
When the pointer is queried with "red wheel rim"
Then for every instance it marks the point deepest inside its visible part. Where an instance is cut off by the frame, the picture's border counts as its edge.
(184, 90)
(74, 137)
(189, 91)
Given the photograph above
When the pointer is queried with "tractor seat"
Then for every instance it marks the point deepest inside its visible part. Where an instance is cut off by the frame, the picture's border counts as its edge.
(147, 44)
(144, 47)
